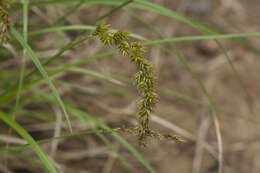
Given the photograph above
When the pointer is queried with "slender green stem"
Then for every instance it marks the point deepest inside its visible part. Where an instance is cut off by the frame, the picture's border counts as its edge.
(42, 71)
(23, 67)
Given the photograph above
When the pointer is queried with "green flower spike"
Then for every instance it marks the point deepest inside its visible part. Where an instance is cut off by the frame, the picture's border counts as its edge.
(144, 80)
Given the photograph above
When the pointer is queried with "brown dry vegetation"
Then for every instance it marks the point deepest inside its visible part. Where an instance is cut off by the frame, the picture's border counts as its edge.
(113, 101)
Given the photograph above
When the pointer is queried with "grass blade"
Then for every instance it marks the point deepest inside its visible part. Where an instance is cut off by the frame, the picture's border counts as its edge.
(80, 113)
(149, 6)
(83, 115)
(25, 35)
(20, 130)
(150, 42)
(42, 71)
(9, 93)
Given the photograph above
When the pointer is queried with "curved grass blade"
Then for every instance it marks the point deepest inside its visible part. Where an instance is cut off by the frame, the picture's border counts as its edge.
(25, 35)
(204, 37)
(150, 42)
(149, 6)
(18, 148)
(12, 90)
(42, 141)
(5, 97)
(20, 130)
(43, 72)
(84, 115)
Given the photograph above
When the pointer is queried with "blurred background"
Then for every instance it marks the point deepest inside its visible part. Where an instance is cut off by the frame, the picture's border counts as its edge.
(102, 88)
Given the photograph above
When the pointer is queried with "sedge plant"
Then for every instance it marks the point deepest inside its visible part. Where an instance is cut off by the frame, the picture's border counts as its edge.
(144, 79)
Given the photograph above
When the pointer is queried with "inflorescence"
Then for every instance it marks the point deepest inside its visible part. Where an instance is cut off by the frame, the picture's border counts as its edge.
(144, 80)
(5, 22)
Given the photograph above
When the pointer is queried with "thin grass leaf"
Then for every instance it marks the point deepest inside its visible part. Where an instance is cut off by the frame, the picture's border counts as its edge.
(204, 37)
(80, 113)
(203, 28)
(150, 42)
(19, 148)
(23, 133)
(149, 6)
(83, 115)
(61, 28)
(9, 93)
(42, 141)
(43, 72)
(76, 27)
(25, 36)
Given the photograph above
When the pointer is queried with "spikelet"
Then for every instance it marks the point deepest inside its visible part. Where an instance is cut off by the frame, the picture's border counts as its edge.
(144, 80)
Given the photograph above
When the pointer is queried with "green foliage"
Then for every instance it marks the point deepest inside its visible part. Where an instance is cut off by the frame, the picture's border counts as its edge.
(38, 64)
(22, 132)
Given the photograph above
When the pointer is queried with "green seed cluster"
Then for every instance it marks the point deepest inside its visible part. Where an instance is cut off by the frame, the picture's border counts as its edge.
(144, 78)
(5, 22)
